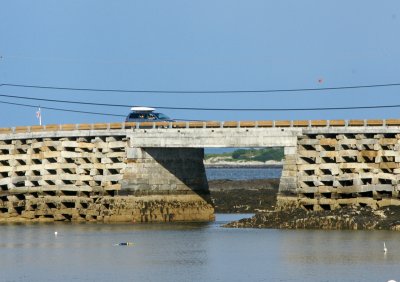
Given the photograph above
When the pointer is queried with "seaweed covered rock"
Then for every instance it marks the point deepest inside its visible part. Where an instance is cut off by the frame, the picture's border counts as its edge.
(351, 218)
(243, 196)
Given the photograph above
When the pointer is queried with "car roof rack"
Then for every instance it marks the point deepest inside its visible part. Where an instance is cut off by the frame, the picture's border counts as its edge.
(142, 109)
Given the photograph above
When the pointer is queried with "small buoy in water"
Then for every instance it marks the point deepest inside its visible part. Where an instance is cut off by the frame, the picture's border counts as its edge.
(55, 233)
(384, 248)
(124, 244)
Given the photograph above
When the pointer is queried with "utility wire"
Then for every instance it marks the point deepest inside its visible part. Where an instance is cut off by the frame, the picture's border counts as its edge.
(200, 91)
(75, 111)
(63, 101)
(62, 110)
(201, 109)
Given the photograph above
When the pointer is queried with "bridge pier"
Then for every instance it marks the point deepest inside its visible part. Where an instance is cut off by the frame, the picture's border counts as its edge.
(174, 177)
(160, 170)
(288, 183)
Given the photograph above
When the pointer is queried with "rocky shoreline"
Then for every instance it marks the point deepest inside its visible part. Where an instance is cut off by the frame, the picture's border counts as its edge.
(243, 196)
(259, 197)
(347, 218)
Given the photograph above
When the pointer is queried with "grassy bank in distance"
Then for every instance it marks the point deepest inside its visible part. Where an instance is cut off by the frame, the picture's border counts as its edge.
(264, 155)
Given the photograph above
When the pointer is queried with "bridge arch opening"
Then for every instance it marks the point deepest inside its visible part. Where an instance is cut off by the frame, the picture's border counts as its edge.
(242, 179)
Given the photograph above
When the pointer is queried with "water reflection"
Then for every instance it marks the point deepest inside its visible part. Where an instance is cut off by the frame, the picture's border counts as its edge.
(243, 173)
(194, 252)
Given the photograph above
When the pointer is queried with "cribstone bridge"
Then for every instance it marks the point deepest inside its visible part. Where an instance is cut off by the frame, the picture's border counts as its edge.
(155, 172)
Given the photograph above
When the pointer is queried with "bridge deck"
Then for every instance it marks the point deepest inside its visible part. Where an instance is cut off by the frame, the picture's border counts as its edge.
(204, 124)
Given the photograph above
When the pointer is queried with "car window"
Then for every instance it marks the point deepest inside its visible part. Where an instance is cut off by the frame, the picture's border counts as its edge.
(134, 115)
(151, 116)
(162, 116)
(147, 116)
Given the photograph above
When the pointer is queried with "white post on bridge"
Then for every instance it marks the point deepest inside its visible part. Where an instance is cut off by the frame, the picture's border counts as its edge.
(39, 116)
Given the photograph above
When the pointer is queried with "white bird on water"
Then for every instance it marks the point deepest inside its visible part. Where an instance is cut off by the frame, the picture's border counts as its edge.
(55, 233)
(384, 248)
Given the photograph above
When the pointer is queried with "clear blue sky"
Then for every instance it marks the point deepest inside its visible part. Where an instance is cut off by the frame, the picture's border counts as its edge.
(200, 45)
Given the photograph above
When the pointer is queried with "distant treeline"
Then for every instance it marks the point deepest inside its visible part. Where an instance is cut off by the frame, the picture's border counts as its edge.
(261, 155)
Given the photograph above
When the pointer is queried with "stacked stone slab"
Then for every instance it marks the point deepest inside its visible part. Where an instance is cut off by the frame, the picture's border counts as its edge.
(81, 179)
(337, 169)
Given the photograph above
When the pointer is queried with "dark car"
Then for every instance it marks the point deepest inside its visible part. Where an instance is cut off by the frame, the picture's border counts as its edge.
(145, 114)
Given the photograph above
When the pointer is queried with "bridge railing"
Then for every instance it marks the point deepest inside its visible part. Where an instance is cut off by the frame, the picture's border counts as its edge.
(202, 124)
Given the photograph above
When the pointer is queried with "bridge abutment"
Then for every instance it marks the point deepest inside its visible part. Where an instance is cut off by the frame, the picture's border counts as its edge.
(345, 166)
(100, 178)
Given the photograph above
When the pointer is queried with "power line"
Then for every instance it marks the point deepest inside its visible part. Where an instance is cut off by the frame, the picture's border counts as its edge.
(200, 91)
(76, 111)
(62, 110)
(191, 108)
(63, 101)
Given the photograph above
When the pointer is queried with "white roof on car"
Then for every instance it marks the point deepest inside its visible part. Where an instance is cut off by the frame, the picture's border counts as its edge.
(142, 109)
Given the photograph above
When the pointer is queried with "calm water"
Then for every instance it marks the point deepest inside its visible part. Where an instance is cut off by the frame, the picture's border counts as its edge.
(194, 252)
(243, 173)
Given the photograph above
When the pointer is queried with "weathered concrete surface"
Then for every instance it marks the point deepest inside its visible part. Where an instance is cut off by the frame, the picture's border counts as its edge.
(214, 137)
(174, 170)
